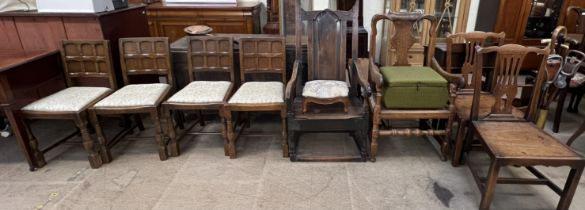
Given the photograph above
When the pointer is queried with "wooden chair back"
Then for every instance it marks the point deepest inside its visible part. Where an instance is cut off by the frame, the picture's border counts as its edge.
(405, 35)
(88, 62)
(145, 56)
(505, 76)
(326, 33)
(262, 56)
(210, 54)
(470, 41)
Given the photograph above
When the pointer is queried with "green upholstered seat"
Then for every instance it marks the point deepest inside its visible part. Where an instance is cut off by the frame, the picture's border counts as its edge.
(407, 87)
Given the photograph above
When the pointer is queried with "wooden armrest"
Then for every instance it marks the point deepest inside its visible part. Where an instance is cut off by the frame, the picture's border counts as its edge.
(452, 78)
(361, 68)
(375, 75)
(290, 86)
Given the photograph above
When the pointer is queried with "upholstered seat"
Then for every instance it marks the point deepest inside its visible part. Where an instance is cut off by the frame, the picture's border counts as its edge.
(202, 92)
(72, 99)
(258, 93)
(135, 95)
(325, 89)
(414, 88)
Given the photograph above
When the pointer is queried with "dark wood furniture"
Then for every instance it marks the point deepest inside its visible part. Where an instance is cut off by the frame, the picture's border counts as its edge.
(273, 17)
(138, 57)
(169, 21)
(326, 63)
(18, 88)
(258, 57)
(206, 55)
(402, 40)
(83, 61)
(512, 141)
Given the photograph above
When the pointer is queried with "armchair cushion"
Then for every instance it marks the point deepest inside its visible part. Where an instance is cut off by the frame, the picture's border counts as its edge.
(325, 89)
(408, 87)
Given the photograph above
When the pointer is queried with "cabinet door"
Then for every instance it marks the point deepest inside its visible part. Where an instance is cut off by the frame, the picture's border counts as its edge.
(174, 29)
(239, 26)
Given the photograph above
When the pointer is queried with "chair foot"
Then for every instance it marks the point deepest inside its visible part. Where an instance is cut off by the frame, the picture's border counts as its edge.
(162, 153)
(95, 161)
(106, 155)
(173, 149)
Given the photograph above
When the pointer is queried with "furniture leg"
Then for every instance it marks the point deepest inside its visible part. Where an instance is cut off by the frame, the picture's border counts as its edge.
(138, 120)
(570, 187)
(459, 139)
(230, 134)
(490, 186)
(81, 121)
(559, 110)
(34, 146)
(19, 132)
(104, 150)
(576, 134)
(575, 105)
(180, 117)
(375, 135)
(127, 123)
(284, 140)
(224, 133)
(173, 147)
(292, 152)
(162, 147)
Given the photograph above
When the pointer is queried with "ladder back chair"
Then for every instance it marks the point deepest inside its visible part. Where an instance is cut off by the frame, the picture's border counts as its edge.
(331, 80)
(206, 54)
(87, 65)
(147, 56)
(258, 57)
(404, 92)
(512, 141)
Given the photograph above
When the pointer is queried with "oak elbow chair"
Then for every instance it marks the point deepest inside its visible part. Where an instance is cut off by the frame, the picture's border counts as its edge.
(405, 92)
(266, 59)
(148, 56)
(331, 80)
(206, 55)
(512, 141)
(86, 63)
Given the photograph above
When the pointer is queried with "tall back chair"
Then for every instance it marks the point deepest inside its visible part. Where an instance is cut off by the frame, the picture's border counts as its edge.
(86, 64)
(148, 56)
(405, 92)
(265, 56)
(206, 55)
(513, 141)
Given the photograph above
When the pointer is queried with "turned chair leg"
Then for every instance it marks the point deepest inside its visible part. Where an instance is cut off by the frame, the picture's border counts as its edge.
(162, 147)
(138, 120)
(374, 144)
(570, 187)
(490, 186)
(224, 133)
(284, 140)
(81, 121)
(173, 147)
(230, 134)
(103, 144)
(459, 139)
(559, 110)
(39, 158)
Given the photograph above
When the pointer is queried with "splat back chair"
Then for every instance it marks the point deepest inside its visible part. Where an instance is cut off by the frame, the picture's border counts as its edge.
(86, 63)
(513, 141)
(138, 57)
(206, 54)
(331, 81)
(258, 56)
(404, 92)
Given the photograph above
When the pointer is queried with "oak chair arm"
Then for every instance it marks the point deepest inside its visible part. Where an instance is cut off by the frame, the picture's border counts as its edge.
(361, 70)
(290, 86)
(457, 80)
(375, 76)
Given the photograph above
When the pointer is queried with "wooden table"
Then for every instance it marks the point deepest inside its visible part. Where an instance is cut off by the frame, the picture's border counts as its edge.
(24, 77)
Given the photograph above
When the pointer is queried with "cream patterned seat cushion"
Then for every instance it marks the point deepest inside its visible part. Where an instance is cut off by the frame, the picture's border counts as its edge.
(202, 92)
(72, 99)
(134, 95)
(325, 89)
(259, 93)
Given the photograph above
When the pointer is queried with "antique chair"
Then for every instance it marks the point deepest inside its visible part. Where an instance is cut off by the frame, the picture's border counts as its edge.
(464, 97)
(261, 59)
(513, 141)
(87, 65)
(206, 55)
(331, 80)
(139, 57)
(404, 92)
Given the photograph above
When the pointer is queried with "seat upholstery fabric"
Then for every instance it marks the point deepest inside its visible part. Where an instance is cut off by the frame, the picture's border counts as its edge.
(71, 99)
(409, 87)
(258, 93)
(325, 89)
(202, 92)
(134, 95)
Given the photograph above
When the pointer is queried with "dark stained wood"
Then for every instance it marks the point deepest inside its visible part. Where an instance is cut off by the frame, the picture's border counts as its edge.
(8, 35)
(273, 17)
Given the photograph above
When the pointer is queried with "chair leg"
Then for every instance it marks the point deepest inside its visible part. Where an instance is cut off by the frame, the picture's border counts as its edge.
(39, 158)
(576, 134)
(230, 134)
(180, 117)
(490, 186)
(173, 147)
(459, 139)
(162, 147)
(374, 144)
(284, 140)
(224, 133)
(104, 151)
(201, 119)
(559, 110)
(570, 187)
(138, 120)
(81, 121)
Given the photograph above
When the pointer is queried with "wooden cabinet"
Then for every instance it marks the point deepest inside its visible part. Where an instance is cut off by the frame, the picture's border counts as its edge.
(169, 21)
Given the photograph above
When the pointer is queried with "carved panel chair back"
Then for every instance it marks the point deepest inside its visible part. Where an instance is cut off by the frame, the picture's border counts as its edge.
(207, 54)
(262, 56)
(87, 62)
(470, 41)
(145, 56)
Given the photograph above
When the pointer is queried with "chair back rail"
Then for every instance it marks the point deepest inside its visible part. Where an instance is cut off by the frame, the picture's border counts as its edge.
(262, 56)
(145, 56)
(87, 60)
(504, 86)
(326, 34)
(210, 54)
